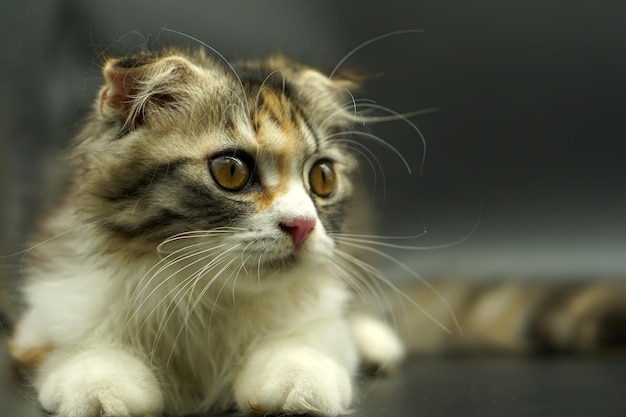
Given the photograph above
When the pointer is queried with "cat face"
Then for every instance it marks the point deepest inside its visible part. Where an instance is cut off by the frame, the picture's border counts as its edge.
(186, 150)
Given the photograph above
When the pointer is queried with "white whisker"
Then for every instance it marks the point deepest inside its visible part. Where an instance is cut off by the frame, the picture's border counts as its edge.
(44, 242)
(244, 261)
(369, 156)
(258, 95)
(379, 237)
(400, 116)
(414, 275)
(350, 104)
(367, 289)
(371, 239)
(364, 44)
(178, 288)
(142, 288)
(216, 52)
(199, 298)
(407, 121)
(258, 271)
(192, 308)
(378, 140)
(194, 279)
(225, 111)
(375, 273)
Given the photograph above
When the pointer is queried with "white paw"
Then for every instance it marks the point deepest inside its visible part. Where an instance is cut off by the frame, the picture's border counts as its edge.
(379, 347)
(294, 380)
(95, 383)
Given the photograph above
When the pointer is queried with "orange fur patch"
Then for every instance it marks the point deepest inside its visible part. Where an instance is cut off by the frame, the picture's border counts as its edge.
(275, 118)
(283, 165)
(277, 110)
(30, 358)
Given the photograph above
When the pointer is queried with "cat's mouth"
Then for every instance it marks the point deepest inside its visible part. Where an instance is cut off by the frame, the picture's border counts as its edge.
(281, 263)
(286, 262)
(268, 255)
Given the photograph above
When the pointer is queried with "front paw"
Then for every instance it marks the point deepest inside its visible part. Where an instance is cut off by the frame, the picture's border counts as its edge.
(297, 380)
(98, 383)
(380, 348)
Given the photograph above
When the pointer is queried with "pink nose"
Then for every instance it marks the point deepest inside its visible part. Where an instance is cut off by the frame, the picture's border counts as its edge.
(299, 229)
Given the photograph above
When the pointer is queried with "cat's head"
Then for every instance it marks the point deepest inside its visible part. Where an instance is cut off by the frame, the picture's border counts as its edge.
(249, 159)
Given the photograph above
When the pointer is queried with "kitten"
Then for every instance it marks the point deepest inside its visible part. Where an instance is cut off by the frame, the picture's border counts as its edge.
(193, 265)
(201, 260)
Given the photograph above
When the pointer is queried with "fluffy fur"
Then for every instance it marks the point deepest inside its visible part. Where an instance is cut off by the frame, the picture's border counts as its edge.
(162, 288)
(204, 257)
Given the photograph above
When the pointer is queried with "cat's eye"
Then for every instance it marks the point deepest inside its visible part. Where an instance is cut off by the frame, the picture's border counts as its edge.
(322, 178)
(230, 172)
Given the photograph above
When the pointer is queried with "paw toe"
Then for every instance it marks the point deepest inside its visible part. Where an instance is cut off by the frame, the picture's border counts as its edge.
(301, 382)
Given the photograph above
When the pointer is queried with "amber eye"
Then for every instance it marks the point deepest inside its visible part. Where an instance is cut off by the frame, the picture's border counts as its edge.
(322, 178)
(230, 172)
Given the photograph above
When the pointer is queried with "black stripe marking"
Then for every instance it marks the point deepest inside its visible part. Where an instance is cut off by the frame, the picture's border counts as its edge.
(122, 191)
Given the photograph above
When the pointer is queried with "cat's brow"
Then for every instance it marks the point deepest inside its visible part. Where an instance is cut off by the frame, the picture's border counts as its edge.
(283, 129)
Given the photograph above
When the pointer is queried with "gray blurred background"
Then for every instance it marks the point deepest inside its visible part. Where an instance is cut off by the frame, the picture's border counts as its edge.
(531, 120)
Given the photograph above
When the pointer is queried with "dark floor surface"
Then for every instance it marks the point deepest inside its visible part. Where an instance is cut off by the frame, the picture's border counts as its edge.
(459, 387)
(501, 387)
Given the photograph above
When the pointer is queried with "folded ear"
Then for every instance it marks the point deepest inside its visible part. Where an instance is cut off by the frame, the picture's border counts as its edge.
(137, 86)
(333, 95)
(348, 79)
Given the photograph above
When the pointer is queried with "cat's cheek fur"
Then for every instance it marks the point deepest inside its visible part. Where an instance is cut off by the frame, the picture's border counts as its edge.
(98, 382)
